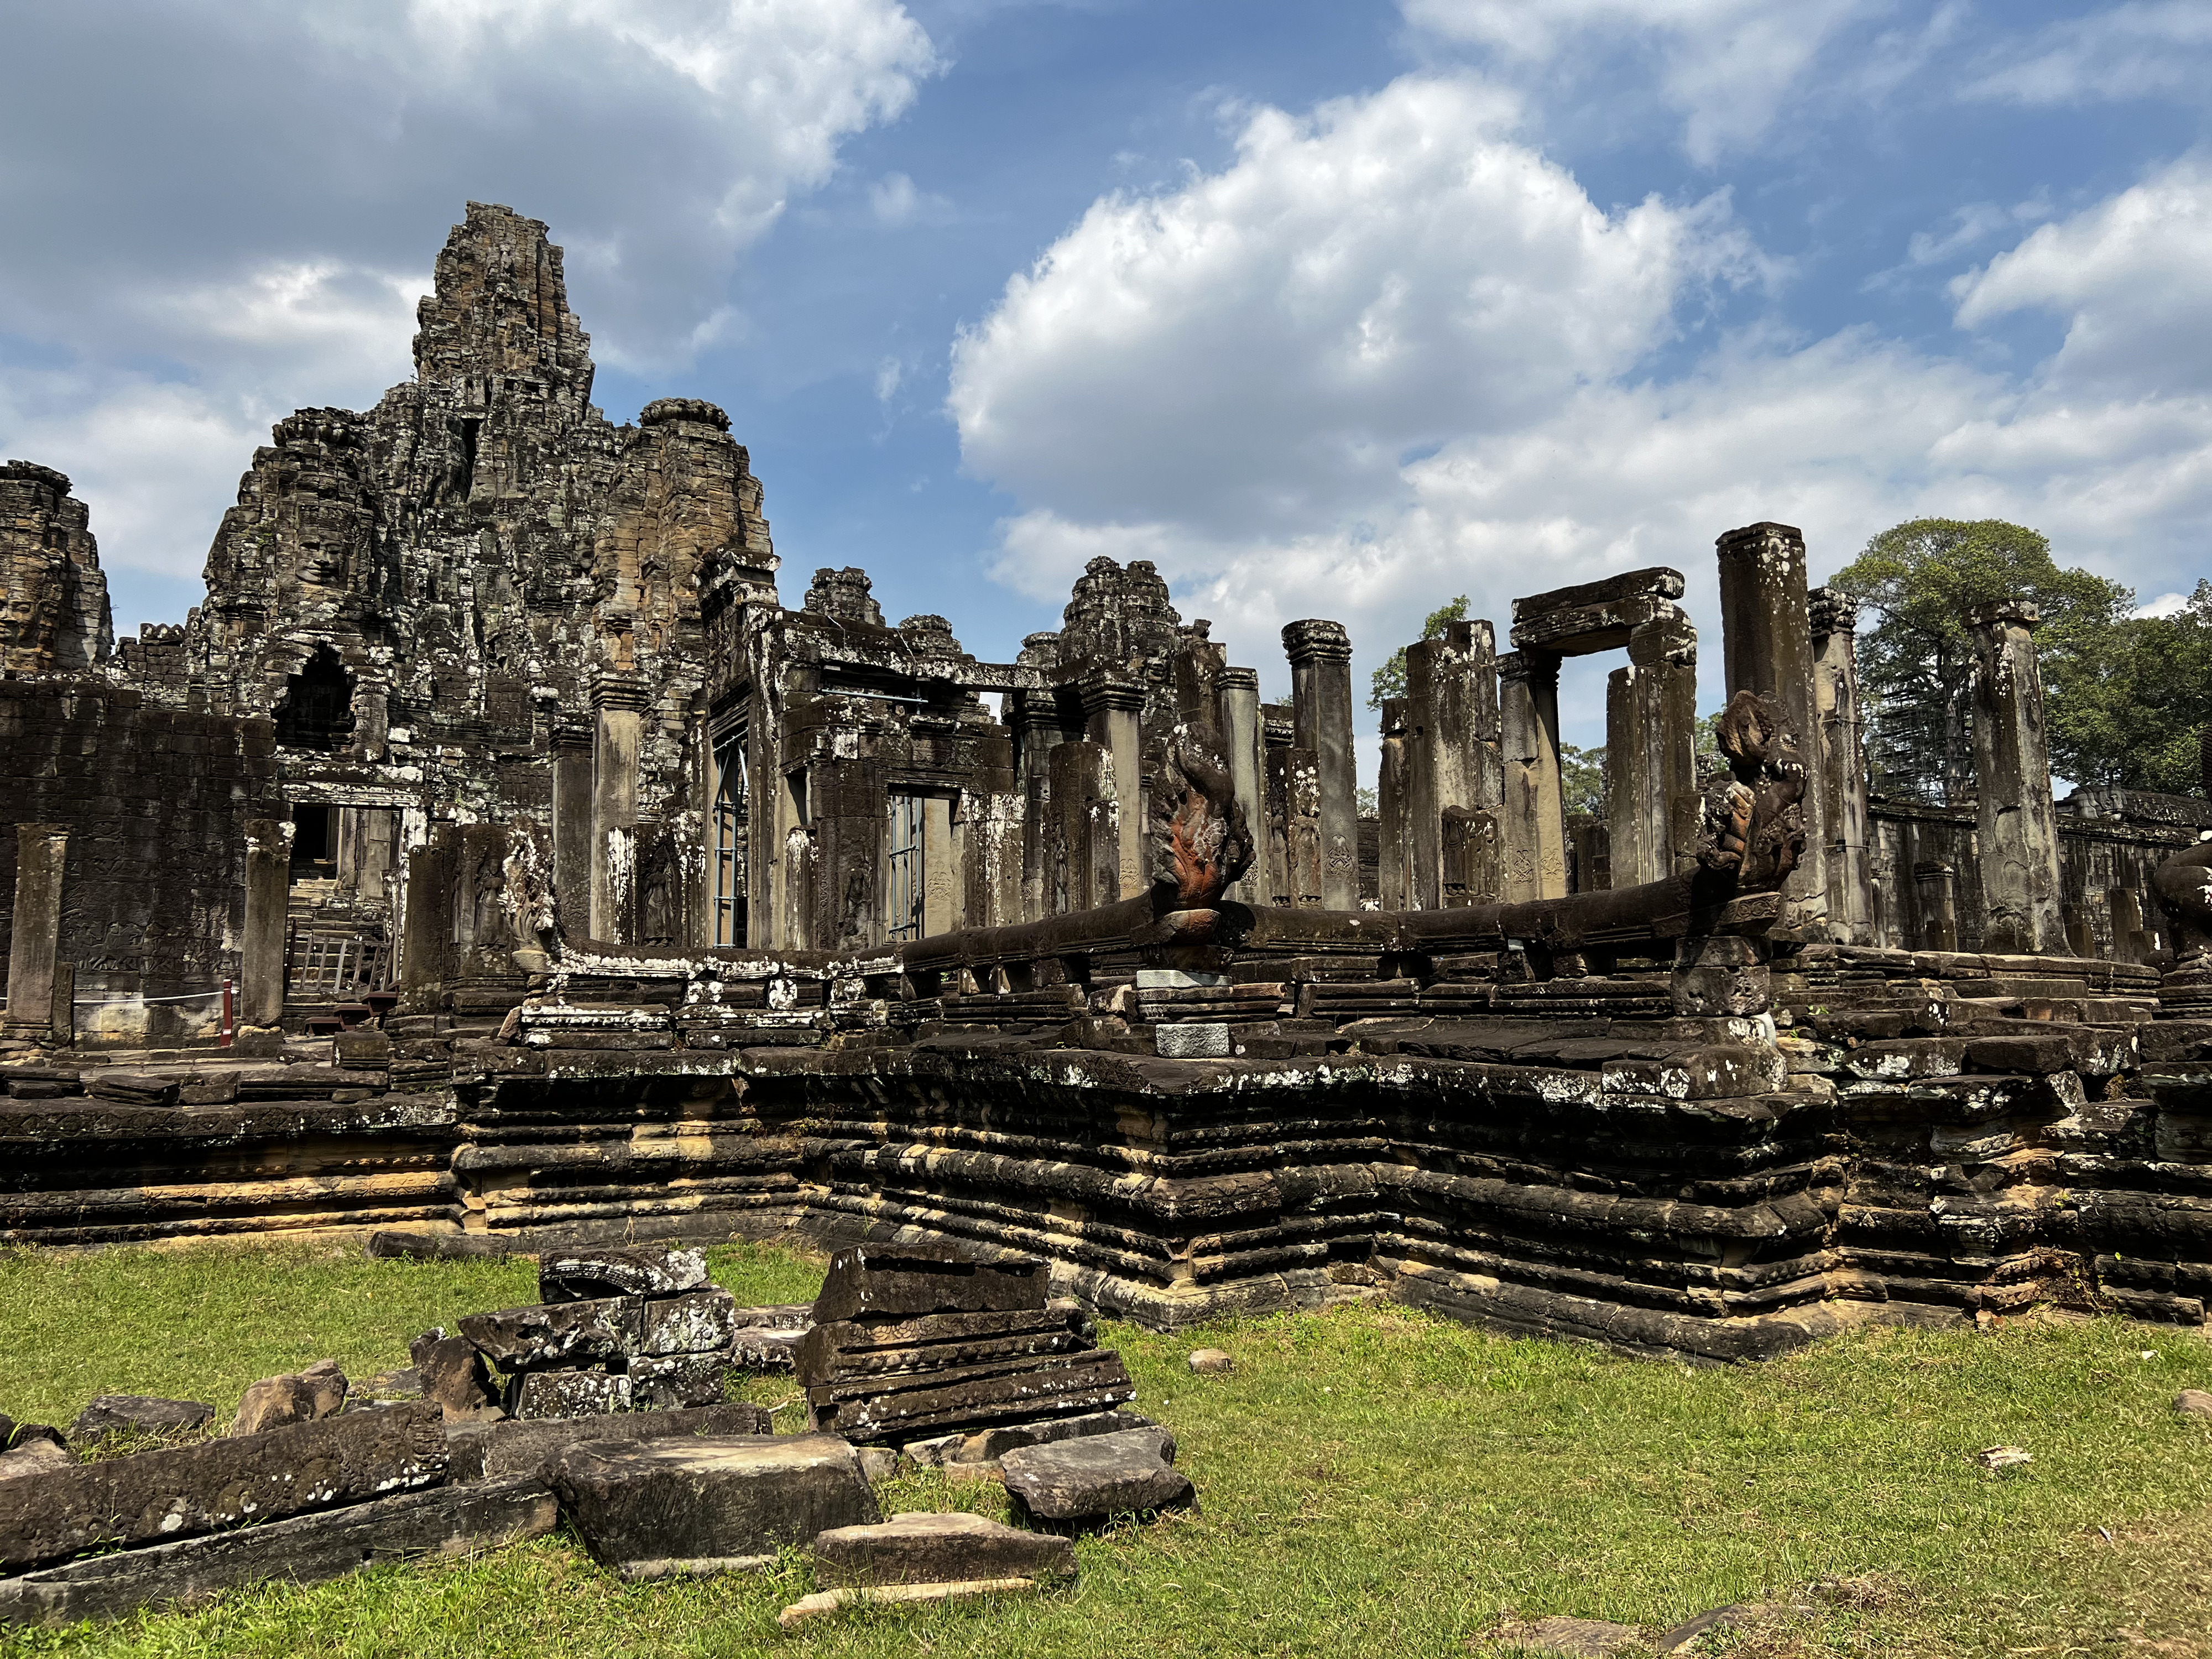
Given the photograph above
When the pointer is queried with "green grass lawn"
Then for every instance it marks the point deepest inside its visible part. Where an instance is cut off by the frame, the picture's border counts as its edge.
(1375, 1483)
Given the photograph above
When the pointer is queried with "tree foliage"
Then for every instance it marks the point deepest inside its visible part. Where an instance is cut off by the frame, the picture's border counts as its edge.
(2130, 709)
(1582, 781)
(1390, 680)
(1920, 579)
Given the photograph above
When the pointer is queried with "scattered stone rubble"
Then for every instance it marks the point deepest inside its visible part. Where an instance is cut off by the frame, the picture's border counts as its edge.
(317, 1478)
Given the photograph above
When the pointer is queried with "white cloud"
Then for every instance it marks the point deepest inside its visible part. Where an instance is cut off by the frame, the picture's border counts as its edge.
(2129, 275)
(246, 200)
(2114, 52)
(1387, 355)
(1726, 67)
(1275, 337)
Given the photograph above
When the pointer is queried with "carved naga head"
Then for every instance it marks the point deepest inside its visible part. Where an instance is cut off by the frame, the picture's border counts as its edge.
(1200, 839)
(1754, 824)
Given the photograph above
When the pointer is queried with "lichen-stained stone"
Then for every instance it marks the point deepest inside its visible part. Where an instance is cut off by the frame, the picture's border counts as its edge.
(534, 1395)
(869, 1280)
(453, 1376)
(53, 598)
(305, 1396)
(575, 1275)
(675, 1381)
(659, 1507)
(701, 1322)
(182, 1492)
(483, 1451)
(1099, 1476)
(126, 1413)
(548, 1334)
(937, 1549)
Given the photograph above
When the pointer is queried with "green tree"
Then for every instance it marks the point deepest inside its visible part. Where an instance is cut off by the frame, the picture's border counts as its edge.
(1920, 579)
(1389, 679)
(1582, 781)
(2131, 711)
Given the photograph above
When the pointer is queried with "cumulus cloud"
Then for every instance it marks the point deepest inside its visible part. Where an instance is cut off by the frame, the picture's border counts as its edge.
(1389, 355)
(241, 208)
(1256, 347)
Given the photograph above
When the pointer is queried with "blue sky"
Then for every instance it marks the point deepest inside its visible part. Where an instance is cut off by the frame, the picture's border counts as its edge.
(1329, 308)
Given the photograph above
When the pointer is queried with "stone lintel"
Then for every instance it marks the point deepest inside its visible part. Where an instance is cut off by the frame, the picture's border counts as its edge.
(1585, 629)
(1316, 639)
(1659, 582)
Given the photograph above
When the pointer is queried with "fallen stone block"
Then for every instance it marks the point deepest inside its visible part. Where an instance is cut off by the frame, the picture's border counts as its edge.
(878, 1462)
(303, 1396)
(903, 1406)
(451, 1375)
(700, 1322)
(183, 1490)
(989, 1445)
(937, 1549)
(872, 1282)
(777, 1317)
(824, 1603)
(137, 1413)
(766, 1348)
(582, 1275)
(1579, 1638)
(842, 1350)
(1102, 1475)
(547, 1336)
(567, 1394)
(132, 1088)
(488, 1450)
(654, 1508)
(2194, 1402)
(34, 1456)
(677, 1380)
(308, 1549)
(1191, 1040)
(1211, 1362)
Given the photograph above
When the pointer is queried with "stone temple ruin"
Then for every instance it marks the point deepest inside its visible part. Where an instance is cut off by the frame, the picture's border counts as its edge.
(571, 887)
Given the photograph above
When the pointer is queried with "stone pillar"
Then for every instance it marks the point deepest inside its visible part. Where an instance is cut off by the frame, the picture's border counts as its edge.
(371, 719)
(1535, 813)
(1037, 722)
(2016, 824)
(1112, 710)
(618, 708)
(426, 943)
(1320, 708)
(1246, 740)
(1651, 751)
(41, 851)
(1451, 719)
(268, 921)
(1397, 795)
(571, 826)
(1277, 731)
(1935, 885)
(1766, 646)
(1842, 772)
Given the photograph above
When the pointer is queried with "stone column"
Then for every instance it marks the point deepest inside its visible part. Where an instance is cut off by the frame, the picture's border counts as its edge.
(1536, 827)
(1036, 720)
(1395, 795)
(268, 921)
(2016, 824)
(618, 708)
(1247, 744)
(1320, 708)
(41, 851)
(1451, 717)
(1936, 886)
(1112, 710)
(572, 825)
(1651, 750)
(1766, 646)
(1277, 733)
(1842, 772)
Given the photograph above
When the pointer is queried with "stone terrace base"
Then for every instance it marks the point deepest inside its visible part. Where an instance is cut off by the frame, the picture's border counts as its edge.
(1686, 1186)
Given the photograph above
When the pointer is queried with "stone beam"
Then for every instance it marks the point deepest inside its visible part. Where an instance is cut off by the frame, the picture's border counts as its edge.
(33, 946)
(268, 919)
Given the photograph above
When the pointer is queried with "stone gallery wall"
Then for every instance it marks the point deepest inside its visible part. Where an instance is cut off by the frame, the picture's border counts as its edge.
(155, 801)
